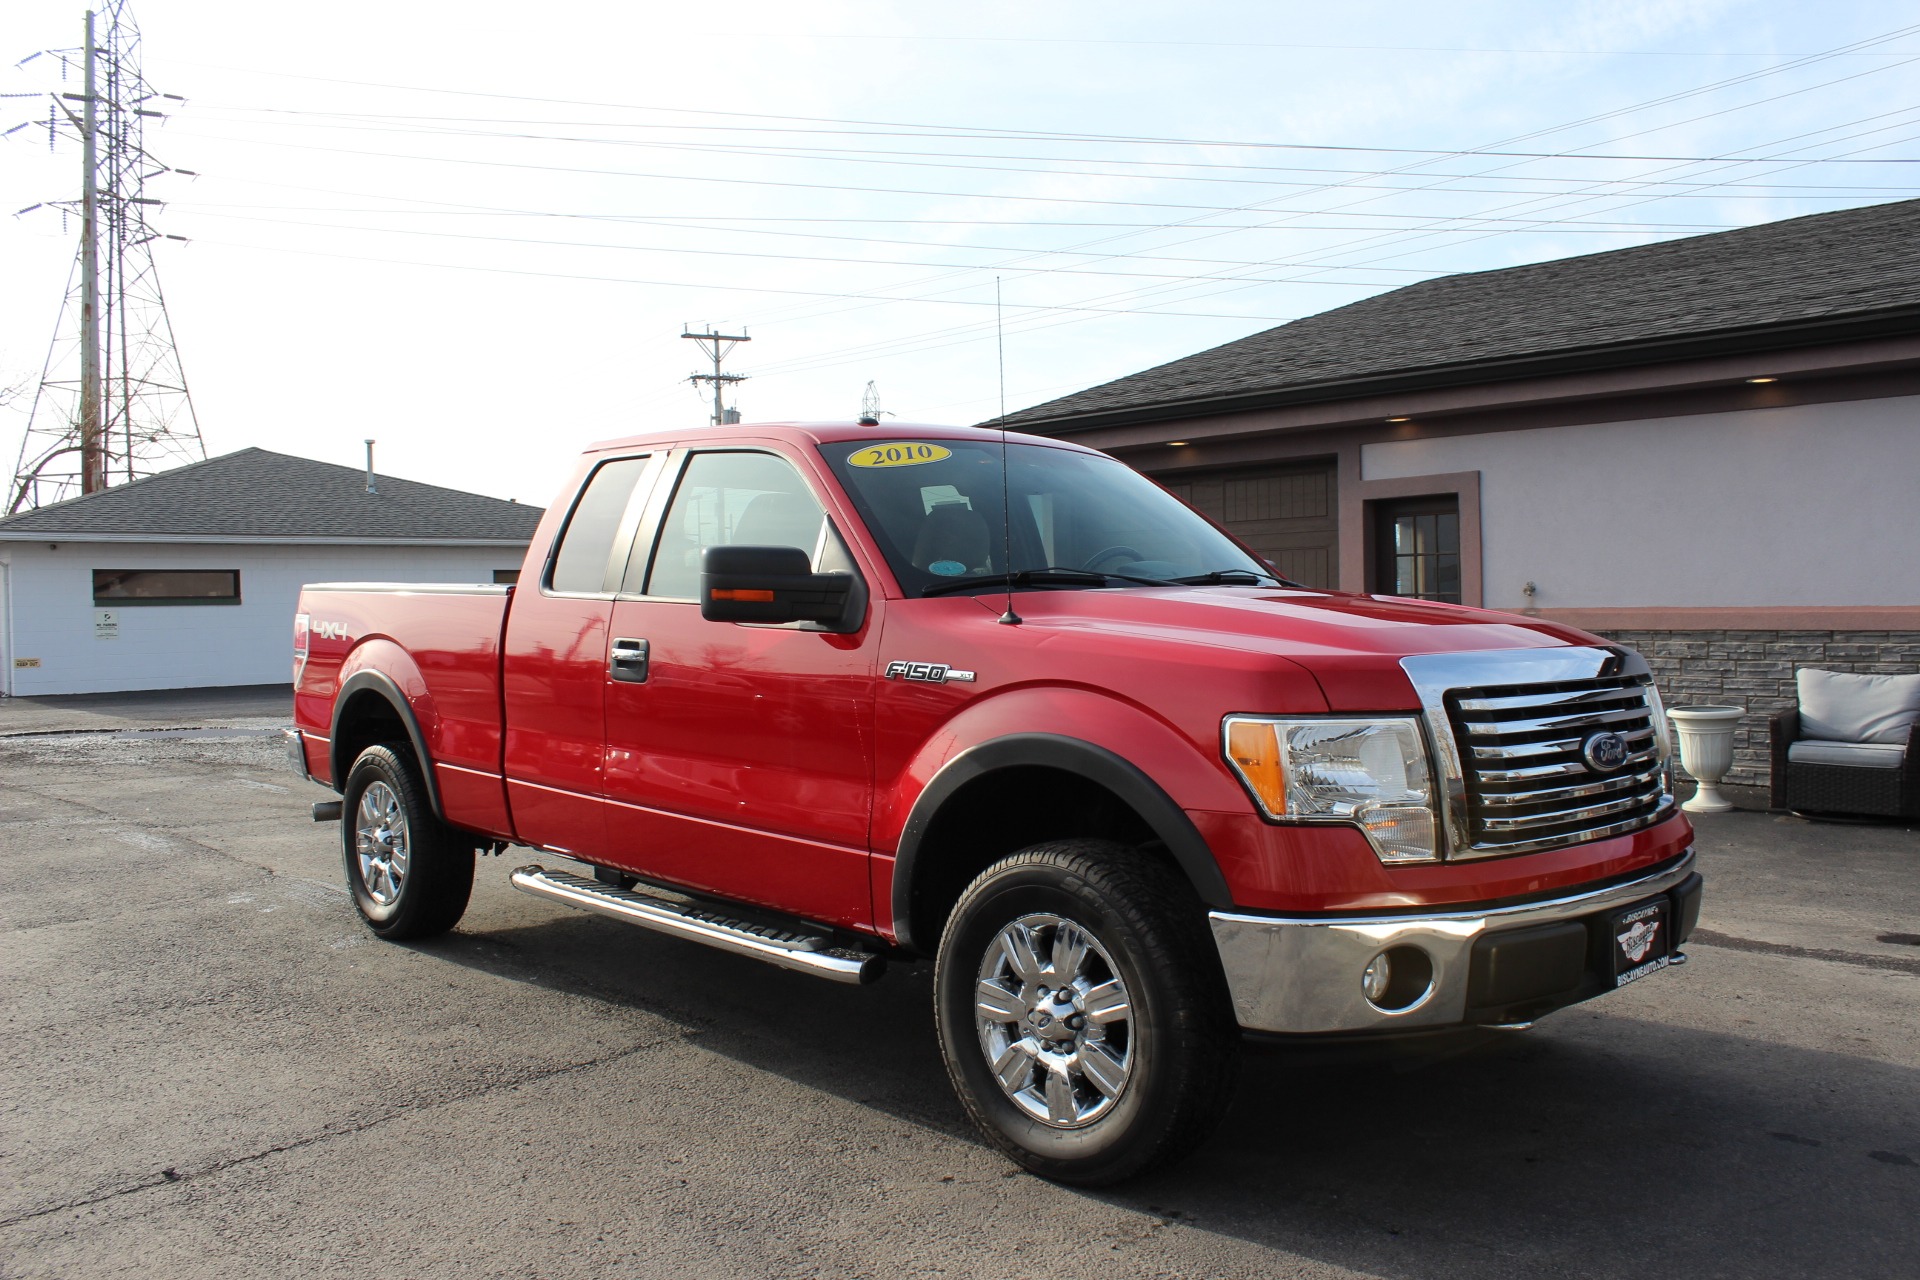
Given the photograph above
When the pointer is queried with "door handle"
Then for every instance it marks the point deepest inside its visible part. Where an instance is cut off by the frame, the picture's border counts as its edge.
(628, 661)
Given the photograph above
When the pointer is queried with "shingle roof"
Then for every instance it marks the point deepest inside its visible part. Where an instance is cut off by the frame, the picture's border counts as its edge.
(1854, 262)
(256, 493)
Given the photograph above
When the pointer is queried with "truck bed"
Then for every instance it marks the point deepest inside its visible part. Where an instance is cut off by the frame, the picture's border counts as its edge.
(439, 643)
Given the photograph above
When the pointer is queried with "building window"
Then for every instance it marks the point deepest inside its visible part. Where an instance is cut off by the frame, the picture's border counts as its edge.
(1417, 542)
(505, 577)
(166, 586)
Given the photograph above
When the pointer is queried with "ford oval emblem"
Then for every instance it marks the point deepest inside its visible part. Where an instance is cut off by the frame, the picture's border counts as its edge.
(1604, 752)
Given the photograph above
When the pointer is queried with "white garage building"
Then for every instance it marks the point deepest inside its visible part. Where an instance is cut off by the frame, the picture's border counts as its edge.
(189, 579)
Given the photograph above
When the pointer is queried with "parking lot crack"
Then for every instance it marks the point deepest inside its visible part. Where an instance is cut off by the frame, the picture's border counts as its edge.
(1898, 964)
(109, 817)
(176, 1175)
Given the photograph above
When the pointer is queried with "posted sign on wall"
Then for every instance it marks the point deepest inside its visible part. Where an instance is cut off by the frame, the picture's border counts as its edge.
(106, 624)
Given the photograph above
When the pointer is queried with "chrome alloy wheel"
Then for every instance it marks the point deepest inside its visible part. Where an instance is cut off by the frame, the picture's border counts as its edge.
(380, 843)
(1055, 1021)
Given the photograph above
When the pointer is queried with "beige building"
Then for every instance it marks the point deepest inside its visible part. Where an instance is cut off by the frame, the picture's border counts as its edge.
(1708, 448)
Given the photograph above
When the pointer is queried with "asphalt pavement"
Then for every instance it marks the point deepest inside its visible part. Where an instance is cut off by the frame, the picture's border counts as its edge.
(208, 1067)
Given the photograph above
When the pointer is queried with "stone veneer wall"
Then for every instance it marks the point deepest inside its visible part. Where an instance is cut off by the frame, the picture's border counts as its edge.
(1754, 669)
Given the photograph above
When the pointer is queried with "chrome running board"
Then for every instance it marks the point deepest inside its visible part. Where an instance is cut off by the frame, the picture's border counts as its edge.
(806, 951)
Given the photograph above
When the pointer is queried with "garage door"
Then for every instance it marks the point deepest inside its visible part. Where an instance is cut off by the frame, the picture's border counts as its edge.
(1287, 514)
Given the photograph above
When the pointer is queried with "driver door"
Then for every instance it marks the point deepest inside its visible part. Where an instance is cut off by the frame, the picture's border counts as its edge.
(739, 758)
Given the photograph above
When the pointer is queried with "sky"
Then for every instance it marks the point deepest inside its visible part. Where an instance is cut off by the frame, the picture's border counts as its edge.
(476, 233)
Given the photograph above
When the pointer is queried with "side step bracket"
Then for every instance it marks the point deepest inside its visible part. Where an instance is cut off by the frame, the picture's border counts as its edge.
(790, 948)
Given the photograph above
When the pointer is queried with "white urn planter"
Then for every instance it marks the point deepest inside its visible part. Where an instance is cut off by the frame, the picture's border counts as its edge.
(1706, 751)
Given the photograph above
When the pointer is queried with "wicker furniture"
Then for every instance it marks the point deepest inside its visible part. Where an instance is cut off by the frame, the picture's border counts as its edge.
(1851, 746)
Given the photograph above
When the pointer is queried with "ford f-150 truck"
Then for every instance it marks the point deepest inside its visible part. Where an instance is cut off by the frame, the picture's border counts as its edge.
(834, 696)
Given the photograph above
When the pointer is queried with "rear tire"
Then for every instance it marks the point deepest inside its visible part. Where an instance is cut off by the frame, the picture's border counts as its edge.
(410, 873)
(1082, 1012)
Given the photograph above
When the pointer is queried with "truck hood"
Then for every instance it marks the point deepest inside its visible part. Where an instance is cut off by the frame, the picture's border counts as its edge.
(1351, 644)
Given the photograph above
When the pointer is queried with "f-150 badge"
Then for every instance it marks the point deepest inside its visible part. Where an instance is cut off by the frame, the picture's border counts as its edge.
(930, 672)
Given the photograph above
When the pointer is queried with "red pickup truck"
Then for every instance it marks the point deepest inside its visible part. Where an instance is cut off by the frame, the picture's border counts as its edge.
(833, 696)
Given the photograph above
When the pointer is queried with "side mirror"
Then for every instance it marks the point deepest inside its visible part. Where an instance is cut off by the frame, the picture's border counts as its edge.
(771, 585)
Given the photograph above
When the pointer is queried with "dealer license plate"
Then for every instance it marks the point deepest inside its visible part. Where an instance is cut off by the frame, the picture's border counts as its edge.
(1640, 941)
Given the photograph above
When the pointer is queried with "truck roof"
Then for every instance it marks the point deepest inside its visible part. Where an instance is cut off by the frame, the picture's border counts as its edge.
(829, 433)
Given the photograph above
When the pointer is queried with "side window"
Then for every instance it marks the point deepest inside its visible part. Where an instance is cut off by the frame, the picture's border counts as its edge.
(750, 499)
(581, 565)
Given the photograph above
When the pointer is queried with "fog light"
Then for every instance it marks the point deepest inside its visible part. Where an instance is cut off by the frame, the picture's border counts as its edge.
(1398, 980)
(1373, 983)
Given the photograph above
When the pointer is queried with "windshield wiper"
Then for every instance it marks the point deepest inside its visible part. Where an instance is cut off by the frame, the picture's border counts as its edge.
(1231, 577)
(1048, 577)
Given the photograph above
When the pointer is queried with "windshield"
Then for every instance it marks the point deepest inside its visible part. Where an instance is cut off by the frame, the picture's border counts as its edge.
(934, 506)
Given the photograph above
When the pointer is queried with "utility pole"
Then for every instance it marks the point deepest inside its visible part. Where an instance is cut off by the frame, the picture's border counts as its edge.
(93, 461)
(117, 407)
(717, 346)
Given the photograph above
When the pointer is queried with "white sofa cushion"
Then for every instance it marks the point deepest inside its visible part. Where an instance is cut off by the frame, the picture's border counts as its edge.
(1836, 706)
(1865, 755)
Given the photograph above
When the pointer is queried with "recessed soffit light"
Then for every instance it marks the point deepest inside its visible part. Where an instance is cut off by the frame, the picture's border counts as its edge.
(1757, 381)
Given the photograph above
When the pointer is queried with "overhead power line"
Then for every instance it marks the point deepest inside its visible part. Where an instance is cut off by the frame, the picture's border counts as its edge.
(1200, 231)
(1081, 41)
(602, 246)
(706, 285)
(843, 188)
(1444, 181)
(1527, 203)
(1850, 49)
(953, 161)
(1139, 296)
(386, 122)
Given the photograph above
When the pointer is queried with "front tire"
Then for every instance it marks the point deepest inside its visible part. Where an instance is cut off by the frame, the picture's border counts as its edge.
(1082, 1012)
(410, 873)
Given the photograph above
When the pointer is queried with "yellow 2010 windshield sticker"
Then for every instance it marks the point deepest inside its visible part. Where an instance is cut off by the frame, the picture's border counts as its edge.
(899, 453)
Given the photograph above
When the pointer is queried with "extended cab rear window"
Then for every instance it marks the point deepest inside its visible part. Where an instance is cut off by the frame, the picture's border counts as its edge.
(580, 565)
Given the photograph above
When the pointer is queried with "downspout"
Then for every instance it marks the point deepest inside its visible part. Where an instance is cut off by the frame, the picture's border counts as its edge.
(6, 629)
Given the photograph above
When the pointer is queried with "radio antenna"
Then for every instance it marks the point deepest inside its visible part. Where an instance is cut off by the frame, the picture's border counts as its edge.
(1009, 618)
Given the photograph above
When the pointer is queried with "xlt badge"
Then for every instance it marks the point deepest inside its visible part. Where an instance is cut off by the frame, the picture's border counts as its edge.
(930, 672)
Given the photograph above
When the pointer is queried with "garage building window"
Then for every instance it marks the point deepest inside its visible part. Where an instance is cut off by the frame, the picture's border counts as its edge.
(1418, 541)
(166, 586)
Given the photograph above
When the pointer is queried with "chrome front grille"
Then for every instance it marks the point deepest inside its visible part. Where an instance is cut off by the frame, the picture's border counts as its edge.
(1528, 784)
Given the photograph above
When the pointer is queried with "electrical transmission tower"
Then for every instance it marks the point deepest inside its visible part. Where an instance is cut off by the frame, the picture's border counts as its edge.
(112, 404)
(717, 345)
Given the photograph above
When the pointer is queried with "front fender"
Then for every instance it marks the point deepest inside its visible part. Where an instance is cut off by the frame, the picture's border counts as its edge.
(1149, 764)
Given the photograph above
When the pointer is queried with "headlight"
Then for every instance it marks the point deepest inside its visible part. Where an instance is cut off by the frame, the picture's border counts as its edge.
(1662, 739)
(1372, 773)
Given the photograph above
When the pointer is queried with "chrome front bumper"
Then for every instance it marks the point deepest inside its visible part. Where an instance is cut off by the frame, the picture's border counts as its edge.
(1301, 975)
